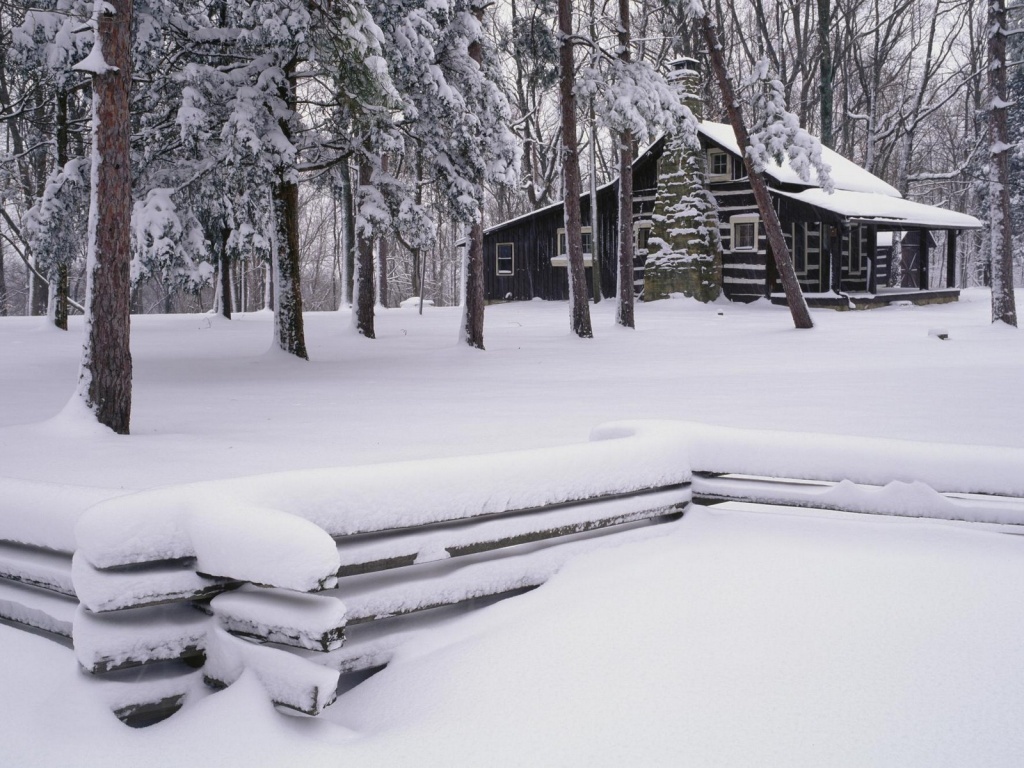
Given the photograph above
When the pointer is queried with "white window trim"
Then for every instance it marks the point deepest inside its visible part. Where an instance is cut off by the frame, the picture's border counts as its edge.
(727, 176)
(637, 226)
(745, 218)
(562, 259)
(497, 259)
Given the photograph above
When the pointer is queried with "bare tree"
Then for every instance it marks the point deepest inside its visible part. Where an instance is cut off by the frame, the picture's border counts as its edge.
(624, 307)
(579, 309)
(362, 300)
(1003, 303)
(473, 314)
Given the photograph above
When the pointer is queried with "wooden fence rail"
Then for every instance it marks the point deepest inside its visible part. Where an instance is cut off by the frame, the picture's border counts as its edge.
(301, 577)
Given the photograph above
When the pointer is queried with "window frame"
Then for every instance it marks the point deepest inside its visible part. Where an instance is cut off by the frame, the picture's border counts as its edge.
(744, 219)
(642, 224)
(561, 258)
(725, 175)
(498, 259)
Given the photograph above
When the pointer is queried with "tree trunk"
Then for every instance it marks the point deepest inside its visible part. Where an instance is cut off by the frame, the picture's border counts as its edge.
(60, 296)
(225, 274)
(383, 253)
(595, 239)
(38, 294)
(362, 301)
(769, 218)
(417, 253)
(287, 286)
(579, 308)
(624, 310)
(827, 73)
(3, 282)
(348, 228)
(105, 381)
(1003, 301)
(473, 311)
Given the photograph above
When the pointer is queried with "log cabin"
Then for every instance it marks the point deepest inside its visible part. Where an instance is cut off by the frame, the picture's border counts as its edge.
(834, 238)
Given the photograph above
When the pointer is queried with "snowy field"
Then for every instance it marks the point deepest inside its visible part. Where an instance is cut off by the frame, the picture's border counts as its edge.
(734, 639)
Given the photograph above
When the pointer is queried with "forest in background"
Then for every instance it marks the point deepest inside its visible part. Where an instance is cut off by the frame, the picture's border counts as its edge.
(896, 85)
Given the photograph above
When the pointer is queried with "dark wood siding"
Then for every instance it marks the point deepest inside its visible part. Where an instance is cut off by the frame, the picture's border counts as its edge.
(831, 253)
(534, 239)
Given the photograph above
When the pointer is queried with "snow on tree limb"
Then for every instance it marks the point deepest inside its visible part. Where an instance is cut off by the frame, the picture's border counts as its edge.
(776, 133)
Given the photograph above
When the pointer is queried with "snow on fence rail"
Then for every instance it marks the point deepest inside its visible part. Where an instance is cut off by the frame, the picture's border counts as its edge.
(298, 576)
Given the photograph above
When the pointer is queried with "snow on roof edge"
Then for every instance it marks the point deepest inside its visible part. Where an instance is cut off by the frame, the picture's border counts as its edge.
(866, 207)
(846, 174)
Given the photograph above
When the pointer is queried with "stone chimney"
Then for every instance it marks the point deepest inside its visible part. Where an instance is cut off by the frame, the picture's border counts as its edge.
(684, 255)
(684, 76)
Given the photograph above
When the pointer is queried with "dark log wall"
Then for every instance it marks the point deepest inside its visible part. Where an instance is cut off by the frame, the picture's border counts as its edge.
(534, 240)
(831, 254)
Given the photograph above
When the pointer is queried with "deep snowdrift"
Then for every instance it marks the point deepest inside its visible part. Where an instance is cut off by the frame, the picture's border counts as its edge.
(737, 639)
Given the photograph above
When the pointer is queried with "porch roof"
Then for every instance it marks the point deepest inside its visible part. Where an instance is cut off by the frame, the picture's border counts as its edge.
(882, 210)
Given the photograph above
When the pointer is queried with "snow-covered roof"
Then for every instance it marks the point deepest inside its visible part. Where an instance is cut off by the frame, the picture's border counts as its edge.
(879, 209)
(845, 173)
(859, 195)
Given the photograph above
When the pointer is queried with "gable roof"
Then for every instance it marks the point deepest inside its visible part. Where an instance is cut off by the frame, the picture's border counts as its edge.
(860, 196)
(846, 174)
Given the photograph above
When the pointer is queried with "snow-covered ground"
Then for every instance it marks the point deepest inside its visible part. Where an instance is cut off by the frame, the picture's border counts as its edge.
(737, 638)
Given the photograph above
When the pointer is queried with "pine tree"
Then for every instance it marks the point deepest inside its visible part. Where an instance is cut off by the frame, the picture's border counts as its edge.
(105, 380)
(634, 101)
(579, 310)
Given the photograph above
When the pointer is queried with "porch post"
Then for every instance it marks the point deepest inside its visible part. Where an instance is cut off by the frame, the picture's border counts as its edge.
(951, 236)
(922, 259)
(835, 251)
(873, 260)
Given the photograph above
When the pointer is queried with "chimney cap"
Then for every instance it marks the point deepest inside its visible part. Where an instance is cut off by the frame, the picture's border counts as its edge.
(684, 64)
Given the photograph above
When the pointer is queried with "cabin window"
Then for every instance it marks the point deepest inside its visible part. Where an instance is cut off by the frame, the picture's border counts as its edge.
(505, 258)
(641, 237)
(719, 167)
(562, 259)
(744, 232)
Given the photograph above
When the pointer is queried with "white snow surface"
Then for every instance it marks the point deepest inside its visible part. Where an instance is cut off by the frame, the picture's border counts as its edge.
(269, 529)
(44, 514)
(738, 638)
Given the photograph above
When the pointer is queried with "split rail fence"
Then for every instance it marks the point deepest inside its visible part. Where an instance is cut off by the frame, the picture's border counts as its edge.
(303, 577)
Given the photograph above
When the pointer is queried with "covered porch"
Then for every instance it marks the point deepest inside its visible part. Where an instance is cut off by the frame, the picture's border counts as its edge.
(883, 220)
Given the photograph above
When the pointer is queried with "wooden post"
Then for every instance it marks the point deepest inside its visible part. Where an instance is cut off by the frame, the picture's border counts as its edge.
(951, 237)
(873, 258)
(835, 257)
(922, 259)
